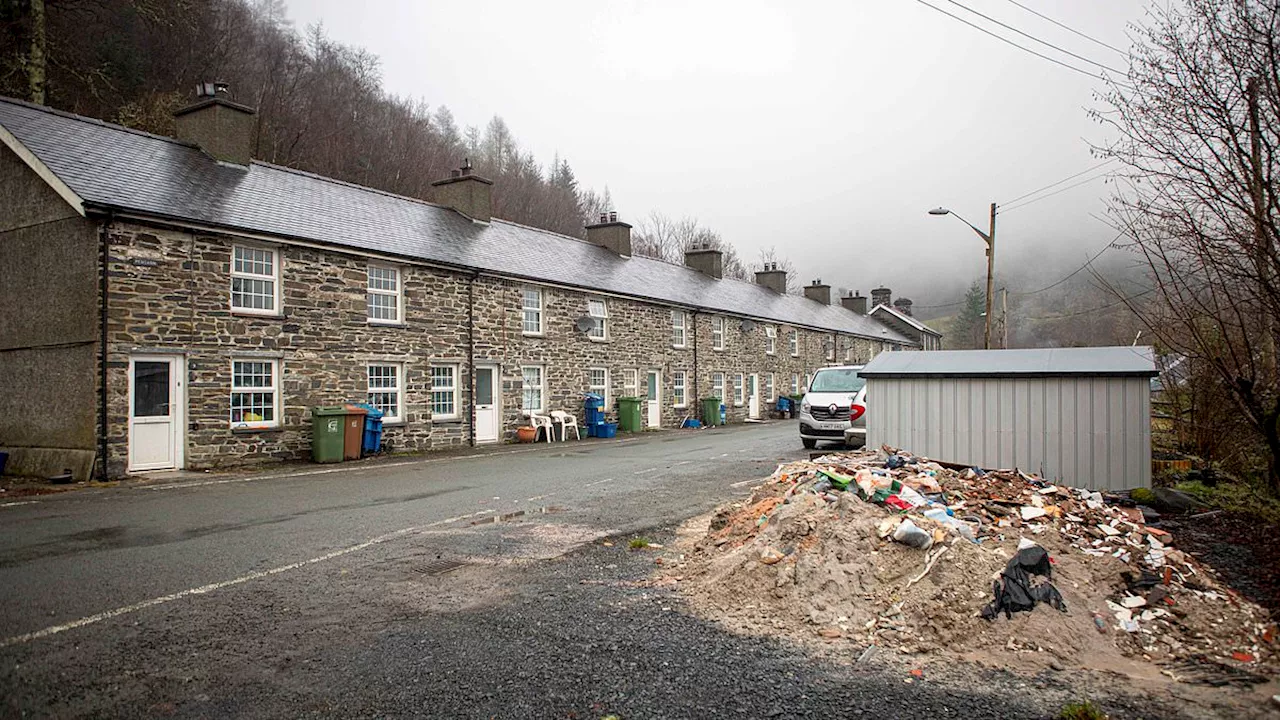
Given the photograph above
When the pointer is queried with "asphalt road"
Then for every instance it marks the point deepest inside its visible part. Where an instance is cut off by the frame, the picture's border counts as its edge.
(434, 587)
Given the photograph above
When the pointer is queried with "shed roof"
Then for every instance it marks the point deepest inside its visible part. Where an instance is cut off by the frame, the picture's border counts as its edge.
(1043, 362)
(111, 167)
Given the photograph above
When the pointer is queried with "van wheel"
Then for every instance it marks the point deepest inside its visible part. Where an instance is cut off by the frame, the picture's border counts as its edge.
(809, 444)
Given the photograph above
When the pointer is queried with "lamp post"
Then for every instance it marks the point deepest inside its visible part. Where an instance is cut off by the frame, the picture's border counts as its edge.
(990, 238)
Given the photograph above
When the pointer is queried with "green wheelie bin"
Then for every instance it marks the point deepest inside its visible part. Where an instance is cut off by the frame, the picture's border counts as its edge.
(327, 428)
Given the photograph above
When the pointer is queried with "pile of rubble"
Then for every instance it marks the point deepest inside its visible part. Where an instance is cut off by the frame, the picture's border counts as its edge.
(895, 551)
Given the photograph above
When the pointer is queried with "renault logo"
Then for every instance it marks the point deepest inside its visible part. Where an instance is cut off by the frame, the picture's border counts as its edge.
(832, 408)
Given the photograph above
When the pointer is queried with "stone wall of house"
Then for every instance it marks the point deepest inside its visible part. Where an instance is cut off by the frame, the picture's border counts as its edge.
(170, 295)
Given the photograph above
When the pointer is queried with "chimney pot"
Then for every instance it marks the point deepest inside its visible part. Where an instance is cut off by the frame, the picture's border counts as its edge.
(704, 259)
(881, 296)
(611, 234)
(220, 127)
(856, 303)
(468, 194)
(818, 291)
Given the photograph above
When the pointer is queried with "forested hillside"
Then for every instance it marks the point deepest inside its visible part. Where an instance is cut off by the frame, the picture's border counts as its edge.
(321, 105)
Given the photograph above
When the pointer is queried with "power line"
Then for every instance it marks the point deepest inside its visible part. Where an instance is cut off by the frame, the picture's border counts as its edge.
(1087, 263)
(1057, 192)
(1003, 39)
(1033, 38)
(1047, 187)
(1069, 29)
(1121, 301)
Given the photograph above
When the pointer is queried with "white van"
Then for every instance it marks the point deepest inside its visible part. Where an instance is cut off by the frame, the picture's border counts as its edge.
(824, 411)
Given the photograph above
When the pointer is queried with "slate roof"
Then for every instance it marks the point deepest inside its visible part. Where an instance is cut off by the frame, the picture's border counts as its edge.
(111, 167)
(1045, 362)
(904, 318)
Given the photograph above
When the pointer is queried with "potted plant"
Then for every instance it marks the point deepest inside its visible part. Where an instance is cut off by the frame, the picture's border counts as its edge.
(526, 433)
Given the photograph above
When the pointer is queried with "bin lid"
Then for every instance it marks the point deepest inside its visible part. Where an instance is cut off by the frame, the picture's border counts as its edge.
(350, 409)
(326, 410)
(370, 410)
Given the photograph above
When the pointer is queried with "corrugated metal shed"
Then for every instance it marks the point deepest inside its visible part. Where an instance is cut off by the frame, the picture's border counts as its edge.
(1080, 416)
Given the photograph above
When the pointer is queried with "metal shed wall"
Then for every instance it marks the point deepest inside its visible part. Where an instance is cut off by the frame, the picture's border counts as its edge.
(1083, 431)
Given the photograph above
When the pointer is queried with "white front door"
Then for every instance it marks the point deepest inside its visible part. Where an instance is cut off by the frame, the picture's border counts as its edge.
(655, 399)
(488, 404)
(753, 396)
(156, 409)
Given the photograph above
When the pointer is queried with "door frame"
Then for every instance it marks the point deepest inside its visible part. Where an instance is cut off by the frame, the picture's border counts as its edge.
(177, 405)
(496, 369)
(754, 411)
(657, 398)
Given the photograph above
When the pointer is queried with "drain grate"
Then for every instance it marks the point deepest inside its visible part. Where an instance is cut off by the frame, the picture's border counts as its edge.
(440, 567)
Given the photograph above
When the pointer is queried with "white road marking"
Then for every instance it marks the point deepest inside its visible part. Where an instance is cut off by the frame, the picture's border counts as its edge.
(598, 482)
(748, 481)
(539, 497)
(646, 471)
(682, 462)
(724, 454)
(19, 502)
(212, 587)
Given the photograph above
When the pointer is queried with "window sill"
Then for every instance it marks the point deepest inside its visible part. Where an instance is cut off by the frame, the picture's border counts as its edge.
(598, 340)
(263, 316)
(446, 421)
(533, 334)
(386, 324)
(679, 347)
(393, 423)
(253, 430)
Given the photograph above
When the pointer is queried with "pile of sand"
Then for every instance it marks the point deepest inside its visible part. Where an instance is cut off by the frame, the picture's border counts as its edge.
(809, 561)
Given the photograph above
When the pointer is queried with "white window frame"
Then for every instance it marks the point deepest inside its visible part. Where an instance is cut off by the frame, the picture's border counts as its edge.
(602, 389)
(739, 390)
(770, 339)
(397, 389)
(526, 309)
(717, 387)
(795, 383)
(398, 294)
(273, 388)
(718, 332)
(770, 388)
(541, 387)
(831, 349)
(630, 382)
(454, 391)
(273, 278)
(795, 343)
(679, 394)
(600, 331)
(679, 329)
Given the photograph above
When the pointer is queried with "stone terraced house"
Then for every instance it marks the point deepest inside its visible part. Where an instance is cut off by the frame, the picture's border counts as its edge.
(171, 303)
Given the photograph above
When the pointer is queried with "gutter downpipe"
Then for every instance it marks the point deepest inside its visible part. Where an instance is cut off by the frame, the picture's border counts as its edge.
(103, 289)
(697, 379)
(471, 355)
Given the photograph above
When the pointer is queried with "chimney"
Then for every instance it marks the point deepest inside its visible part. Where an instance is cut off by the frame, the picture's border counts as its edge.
(611, 234)
(772, 278)
(466, 193)
(881, 296)
(855, 302)
(903, 305)
(818, 291)
(222, 129)
(705, 260)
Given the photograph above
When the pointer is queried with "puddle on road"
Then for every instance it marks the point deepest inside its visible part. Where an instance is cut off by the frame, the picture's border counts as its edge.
(515, 514)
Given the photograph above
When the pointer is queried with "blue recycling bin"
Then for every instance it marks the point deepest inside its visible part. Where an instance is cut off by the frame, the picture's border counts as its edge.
(372, 429)
(593, 414)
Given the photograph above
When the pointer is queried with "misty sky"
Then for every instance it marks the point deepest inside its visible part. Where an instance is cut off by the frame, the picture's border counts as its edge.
(826, 129)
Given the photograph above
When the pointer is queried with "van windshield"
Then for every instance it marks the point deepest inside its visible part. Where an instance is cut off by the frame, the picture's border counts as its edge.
(837, 380)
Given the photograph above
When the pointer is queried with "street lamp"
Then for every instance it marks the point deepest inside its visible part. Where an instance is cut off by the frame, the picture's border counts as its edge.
(990, 238)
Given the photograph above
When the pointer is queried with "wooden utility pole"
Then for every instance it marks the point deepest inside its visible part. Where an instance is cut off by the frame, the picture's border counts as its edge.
(991, 266)
(1004, 318)
(1262, 252)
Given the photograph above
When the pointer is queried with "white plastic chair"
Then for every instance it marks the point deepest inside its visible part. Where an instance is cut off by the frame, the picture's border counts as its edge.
(542, 421)
(566, 421)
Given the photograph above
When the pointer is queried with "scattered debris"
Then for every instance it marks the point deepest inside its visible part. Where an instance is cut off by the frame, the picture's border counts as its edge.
(898, 552)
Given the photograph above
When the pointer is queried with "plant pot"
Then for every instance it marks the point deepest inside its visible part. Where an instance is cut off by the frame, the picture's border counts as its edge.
(526, 433)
